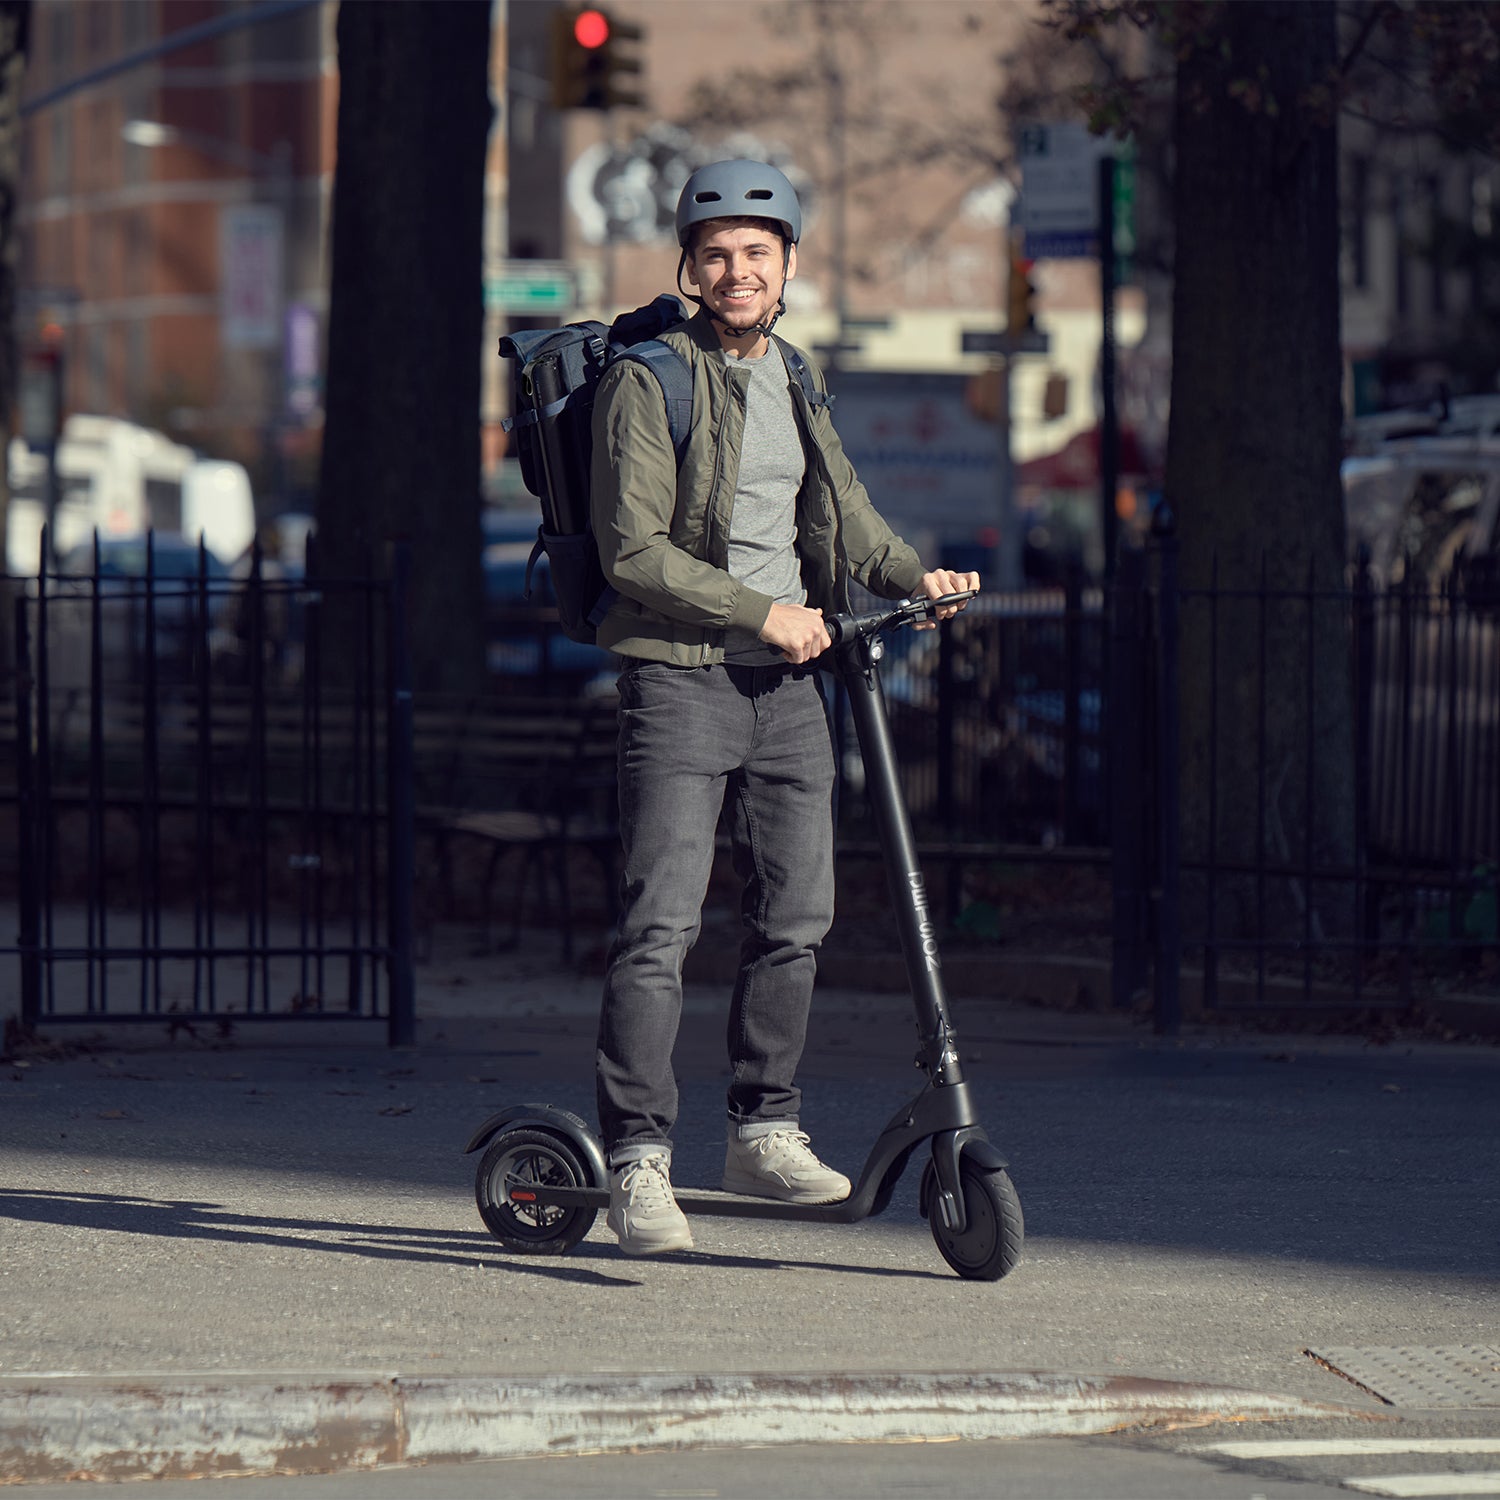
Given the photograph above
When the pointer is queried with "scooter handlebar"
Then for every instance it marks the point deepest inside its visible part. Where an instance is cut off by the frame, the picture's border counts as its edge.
(843, 628)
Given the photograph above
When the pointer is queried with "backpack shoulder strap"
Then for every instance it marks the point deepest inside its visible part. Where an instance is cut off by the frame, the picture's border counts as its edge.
(676, 381)
(805, 378)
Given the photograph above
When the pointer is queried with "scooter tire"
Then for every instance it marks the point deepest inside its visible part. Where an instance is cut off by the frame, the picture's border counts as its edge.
(514, 1159)
(989, 1246)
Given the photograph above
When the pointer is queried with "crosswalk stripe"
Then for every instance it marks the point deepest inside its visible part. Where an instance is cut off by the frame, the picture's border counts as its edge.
(1348, 1447)
(1405, 1486)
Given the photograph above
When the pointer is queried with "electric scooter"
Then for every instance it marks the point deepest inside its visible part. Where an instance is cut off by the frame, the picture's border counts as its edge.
(543, 1178)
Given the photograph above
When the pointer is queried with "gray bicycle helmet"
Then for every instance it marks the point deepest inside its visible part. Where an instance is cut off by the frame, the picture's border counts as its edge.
(735, 189)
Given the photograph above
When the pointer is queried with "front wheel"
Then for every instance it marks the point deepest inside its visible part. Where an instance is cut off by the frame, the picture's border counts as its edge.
(515, 1163)
(990, 1243)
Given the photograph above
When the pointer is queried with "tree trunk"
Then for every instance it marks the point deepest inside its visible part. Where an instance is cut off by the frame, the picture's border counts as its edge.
(1254, 448)
(15, 19)
(401, 448)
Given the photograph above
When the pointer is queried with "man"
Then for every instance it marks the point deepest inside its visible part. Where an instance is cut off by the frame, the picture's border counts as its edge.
(724, 568)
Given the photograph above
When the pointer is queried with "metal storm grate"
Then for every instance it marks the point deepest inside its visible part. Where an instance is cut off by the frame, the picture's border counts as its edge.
(1467, 1375)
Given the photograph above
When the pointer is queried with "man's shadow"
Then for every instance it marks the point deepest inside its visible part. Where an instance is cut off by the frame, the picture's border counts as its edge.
(473, 1249)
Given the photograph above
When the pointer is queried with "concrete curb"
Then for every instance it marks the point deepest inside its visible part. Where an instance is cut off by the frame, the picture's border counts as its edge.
(183, 1426)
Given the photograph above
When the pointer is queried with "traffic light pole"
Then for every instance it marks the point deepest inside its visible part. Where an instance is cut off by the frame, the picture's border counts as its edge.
(1109, 420)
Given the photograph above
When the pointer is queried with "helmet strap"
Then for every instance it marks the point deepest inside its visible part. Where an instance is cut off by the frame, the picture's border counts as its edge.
(760, 328)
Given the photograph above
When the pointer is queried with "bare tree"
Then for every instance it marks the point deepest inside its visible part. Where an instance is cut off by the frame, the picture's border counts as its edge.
(401, 455)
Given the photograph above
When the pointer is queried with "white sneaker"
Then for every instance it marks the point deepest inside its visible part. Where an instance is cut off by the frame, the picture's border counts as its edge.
(642, 1210)
(780, 1164)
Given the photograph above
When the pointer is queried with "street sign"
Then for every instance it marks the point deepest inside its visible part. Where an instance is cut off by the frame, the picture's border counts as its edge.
(1059, 202)
(999, 341)
(539, 286)
(250, 275)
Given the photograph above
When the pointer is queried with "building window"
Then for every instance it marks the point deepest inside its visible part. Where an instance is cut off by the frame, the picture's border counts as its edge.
(96, 371)
(1401, 279)
(137, 353)
(59, 165)
(1358, 232)
(1437, 246)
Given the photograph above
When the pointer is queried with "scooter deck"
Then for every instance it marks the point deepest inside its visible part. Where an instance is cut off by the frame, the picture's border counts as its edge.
(711, 1203)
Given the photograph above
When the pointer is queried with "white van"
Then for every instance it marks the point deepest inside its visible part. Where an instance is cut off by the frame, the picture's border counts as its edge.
(123, 480)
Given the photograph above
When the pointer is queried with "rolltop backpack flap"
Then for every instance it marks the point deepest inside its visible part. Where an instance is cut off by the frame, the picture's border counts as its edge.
(556, 370)
(648, 322)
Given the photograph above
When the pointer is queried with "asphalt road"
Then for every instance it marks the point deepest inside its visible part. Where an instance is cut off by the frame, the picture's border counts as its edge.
(1055, 1469)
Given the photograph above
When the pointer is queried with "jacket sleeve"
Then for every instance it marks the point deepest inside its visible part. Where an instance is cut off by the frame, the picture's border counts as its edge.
(633, 495)
(877, 557)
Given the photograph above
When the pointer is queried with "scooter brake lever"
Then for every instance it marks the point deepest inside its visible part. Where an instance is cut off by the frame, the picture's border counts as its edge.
(925, 609)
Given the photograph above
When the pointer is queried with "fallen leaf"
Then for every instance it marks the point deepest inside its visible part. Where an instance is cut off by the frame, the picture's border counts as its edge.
(395, 1109)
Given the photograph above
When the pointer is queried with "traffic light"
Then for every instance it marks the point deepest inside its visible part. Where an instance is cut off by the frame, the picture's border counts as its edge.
(1020, 316)
(589, 61)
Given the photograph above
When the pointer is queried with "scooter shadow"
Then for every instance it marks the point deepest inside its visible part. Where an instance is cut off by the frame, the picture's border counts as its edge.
(719, 1261)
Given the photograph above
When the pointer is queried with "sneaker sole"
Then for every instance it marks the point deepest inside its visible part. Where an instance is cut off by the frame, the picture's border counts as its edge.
(640, 1247)
(754, 1188)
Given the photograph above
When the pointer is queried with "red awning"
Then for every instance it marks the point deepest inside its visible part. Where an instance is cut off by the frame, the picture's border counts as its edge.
(1075, 466)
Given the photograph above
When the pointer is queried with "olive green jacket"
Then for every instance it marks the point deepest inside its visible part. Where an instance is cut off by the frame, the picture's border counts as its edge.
(663, 533)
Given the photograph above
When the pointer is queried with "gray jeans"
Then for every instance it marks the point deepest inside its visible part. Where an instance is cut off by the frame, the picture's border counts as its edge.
(694, 741)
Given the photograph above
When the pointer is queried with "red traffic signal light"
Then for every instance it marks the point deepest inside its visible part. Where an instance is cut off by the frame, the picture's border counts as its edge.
(587, 60)
(591, 29)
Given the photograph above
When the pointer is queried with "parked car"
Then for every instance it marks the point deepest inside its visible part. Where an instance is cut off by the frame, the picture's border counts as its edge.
(126, 646)
(1427, 508)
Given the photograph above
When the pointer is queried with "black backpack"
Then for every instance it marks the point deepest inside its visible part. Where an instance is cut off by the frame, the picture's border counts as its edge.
(556, 377)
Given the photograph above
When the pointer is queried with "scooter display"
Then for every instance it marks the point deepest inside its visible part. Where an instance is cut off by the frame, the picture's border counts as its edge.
(543, 1178)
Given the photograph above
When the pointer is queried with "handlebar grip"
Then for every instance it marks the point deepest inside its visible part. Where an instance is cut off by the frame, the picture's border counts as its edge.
(841, 627)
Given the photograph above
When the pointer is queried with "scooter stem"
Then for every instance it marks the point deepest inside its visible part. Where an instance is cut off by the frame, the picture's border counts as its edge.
(856, 664)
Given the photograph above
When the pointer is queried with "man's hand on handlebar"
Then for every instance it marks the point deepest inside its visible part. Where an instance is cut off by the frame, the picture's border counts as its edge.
(941, 582)
(796, 631)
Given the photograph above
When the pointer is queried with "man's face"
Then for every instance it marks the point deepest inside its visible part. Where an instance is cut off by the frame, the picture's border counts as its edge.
(737, 271)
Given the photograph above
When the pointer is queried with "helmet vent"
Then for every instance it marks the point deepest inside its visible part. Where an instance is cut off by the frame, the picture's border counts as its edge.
(709, 197)
(760, 193)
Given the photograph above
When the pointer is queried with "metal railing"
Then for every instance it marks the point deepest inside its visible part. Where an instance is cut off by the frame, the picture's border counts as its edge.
(1334, 837)
(212, 788)
(198, 840)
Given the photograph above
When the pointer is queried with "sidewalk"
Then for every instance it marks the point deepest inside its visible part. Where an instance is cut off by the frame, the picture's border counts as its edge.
(263, 1252)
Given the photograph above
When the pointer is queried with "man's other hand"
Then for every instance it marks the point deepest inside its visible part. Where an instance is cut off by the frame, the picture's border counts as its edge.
(943, 581)
(796, 631)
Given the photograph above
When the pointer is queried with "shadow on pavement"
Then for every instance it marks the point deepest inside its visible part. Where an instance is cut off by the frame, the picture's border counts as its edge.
(474, 1249)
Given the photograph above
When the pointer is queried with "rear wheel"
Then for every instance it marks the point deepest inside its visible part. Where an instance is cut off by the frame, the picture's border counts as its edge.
(989, 1244)
(515, 1163)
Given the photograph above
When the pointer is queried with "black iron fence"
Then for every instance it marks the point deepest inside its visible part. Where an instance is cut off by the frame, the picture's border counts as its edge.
(201, 834)
(1286, 794)
(1321, 824)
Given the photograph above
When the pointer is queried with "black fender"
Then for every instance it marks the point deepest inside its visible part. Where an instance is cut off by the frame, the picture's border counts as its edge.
(563, 1123)
(948, 1149)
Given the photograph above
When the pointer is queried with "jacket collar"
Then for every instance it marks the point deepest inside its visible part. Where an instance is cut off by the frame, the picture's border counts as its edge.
(700, 329)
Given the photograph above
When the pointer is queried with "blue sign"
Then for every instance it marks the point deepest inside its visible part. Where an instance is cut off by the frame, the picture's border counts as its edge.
(1052, 244)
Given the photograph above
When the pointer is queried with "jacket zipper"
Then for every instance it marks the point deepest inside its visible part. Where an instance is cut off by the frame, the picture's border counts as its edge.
(713, 509)
(840, 557)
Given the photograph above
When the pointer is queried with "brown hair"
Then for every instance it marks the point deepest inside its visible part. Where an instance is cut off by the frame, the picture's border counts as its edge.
(733, 221)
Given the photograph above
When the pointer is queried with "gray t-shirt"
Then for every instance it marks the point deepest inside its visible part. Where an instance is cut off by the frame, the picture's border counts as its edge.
(763, 528)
